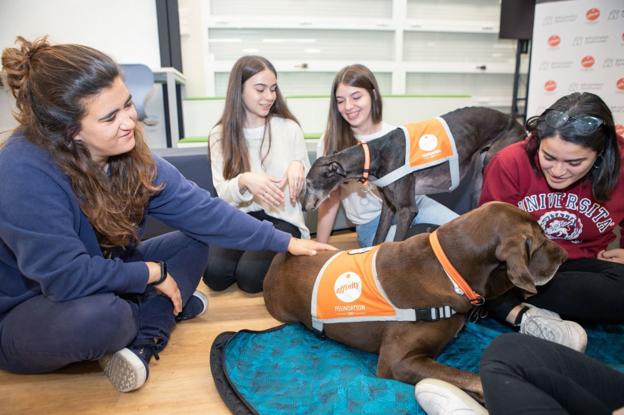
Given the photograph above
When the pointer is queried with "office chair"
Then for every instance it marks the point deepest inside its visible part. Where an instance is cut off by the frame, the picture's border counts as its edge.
(139, 79)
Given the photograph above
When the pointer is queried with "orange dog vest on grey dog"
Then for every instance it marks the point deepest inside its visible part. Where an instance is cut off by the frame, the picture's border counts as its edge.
(347, 290)
(427, 143)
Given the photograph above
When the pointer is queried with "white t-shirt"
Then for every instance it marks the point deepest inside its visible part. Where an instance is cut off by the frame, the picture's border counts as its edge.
(287, 145)
(362, 203)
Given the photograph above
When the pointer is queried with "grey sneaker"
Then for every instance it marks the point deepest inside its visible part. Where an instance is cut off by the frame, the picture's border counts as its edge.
(195, 306)
(547, 325)
(437, 397)
(128, 368)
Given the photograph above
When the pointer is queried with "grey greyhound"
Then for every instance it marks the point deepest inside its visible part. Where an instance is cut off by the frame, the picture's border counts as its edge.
(479, 133)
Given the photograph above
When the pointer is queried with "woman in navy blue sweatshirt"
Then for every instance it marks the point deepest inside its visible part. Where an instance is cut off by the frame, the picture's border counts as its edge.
(76, 183)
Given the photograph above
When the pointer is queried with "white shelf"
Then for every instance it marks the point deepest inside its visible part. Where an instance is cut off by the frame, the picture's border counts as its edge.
(461, 26)
(299, 22)
(303, 22)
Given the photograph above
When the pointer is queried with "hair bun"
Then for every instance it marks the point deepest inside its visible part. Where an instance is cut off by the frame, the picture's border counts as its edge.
(16, 63)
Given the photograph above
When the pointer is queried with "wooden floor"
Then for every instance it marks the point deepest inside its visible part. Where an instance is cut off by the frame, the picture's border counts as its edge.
(179, 383)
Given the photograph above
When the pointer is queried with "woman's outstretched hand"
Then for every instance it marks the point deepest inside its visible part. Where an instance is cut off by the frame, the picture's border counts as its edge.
(298, 246)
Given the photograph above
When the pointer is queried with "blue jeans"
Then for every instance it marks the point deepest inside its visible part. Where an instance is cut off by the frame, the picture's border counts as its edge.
(40, 335)
(429, 211)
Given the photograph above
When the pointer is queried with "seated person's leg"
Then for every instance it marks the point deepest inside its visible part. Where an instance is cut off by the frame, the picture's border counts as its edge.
(253, 265)
(41, 335)
(221, 268)
(366, 232)
(584, 281)
(431, 211)
(186, 258)
(523, 374)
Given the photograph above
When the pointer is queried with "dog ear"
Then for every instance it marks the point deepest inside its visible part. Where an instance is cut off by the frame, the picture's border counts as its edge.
(336, 168)
(513, 252)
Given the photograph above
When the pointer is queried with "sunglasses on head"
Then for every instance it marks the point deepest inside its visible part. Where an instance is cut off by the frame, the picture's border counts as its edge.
(585, 124)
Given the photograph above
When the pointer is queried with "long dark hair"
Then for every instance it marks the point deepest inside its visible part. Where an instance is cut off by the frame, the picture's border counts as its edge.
(51, 84)
(232, 121)
(606, 172)
(338, 134)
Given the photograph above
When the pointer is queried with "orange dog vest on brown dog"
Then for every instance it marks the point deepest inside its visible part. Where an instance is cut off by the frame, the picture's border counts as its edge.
(347, 290)
(427, 143)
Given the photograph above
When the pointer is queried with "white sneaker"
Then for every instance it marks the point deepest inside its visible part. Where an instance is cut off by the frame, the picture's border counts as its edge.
(548, 325)
(125, 370)
(437, 397)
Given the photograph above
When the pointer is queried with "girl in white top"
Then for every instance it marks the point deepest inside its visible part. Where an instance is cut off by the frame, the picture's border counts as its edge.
(355, 114)
(259, 162)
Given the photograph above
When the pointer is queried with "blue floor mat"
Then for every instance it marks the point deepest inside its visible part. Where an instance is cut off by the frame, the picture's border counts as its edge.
(290, 370)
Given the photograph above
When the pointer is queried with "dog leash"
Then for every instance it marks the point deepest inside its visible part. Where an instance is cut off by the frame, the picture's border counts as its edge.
(459, 283)
(364, 177)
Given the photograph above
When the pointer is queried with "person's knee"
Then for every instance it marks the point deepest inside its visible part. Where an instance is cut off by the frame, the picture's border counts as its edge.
(104, 325)
(250, 279)
(219, 274)
(505, 353)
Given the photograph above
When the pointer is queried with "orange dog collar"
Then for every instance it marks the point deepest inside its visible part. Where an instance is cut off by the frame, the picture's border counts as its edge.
(364, 178)
(460, 284)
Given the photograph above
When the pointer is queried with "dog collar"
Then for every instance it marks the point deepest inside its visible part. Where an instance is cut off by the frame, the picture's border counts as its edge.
(364, 177)
(459, 283)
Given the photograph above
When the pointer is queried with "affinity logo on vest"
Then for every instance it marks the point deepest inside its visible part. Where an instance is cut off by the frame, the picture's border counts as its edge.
(428, 142)
(554, 41)
(592, 14)
(348, 287)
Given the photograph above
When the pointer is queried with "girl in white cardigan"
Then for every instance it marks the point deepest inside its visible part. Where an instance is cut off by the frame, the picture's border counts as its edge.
(259, 162)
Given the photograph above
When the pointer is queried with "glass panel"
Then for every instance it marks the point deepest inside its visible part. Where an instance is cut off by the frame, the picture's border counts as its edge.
(481, 10)
(377, 9)
(451, 83)
(305, 83)
(479, 48)
(301, 45)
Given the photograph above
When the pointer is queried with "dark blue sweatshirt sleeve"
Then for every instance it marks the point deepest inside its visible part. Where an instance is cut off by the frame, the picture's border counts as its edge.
(40, 222)
(185, 206)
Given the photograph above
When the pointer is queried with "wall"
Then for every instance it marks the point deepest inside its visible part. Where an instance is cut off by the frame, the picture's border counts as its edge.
(125, 30)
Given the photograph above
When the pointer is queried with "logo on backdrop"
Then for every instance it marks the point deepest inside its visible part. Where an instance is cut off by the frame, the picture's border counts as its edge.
(619, 84)
(615, 14)
(550, 86)
(554, 41)
(592, 14)
(587, 61)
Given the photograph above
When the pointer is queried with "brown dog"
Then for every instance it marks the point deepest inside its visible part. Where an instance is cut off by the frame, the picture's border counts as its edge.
(494, 247)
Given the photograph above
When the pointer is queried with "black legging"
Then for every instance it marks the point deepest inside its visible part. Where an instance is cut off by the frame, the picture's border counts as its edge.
(525, 375)
(247, 268)
(590, 290)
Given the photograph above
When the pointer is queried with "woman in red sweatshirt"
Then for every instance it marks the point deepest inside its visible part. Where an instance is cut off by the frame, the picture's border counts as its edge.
(566, 174)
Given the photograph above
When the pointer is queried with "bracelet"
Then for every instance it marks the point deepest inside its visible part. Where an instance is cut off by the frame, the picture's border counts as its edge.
(163, 273)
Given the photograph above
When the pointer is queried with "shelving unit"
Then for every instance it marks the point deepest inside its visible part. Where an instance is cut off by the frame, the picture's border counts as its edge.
(448, 50)
(413, 46)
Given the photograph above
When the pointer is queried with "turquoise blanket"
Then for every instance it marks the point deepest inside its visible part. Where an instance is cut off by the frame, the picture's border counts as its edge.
(289, 370)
